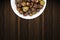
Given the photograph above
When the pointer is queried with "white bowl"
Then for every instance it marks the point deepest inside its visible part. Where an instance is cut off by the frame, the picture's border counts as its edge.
(13, 5)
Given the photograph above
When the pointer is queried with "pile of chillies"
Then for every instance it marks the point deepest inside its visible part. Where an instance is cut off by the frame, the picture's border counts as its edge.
(29, 7)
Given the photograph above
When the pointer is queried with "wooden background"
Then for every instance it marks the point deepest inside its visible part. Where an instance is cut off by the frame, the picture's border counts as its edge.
(44, 27)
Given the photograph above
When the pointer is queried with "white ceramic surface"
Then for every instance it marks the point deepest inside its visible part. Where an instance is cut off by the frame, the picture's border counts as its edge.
(13, 5)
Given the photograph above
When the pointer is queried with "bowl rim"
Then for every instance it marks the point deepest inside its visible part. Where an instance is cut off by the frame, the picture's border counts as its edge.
(13, 6)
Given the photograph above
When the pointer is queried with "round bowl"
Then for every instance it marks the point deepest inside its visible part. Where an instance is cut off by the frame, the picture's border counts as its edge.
(13, 5)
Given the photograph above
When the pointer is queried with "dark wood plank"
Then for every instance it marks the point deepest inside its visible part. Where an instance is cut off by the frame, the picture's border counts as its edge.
(43, 26)
(31, 33)
(35, 29)
(48, 21)
(1, 21)
(19, 28)
(56, 21)
(23, 29)
(10, 22)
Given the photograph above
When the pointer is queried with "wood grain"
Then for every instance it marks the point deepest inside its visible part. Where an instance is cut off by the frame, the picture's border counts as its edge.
(44, 27)
(48, 22)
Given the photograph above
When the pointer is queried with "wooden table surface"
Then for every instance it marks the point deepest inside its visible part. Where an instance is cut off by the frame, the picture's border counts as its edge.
(44, 27)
